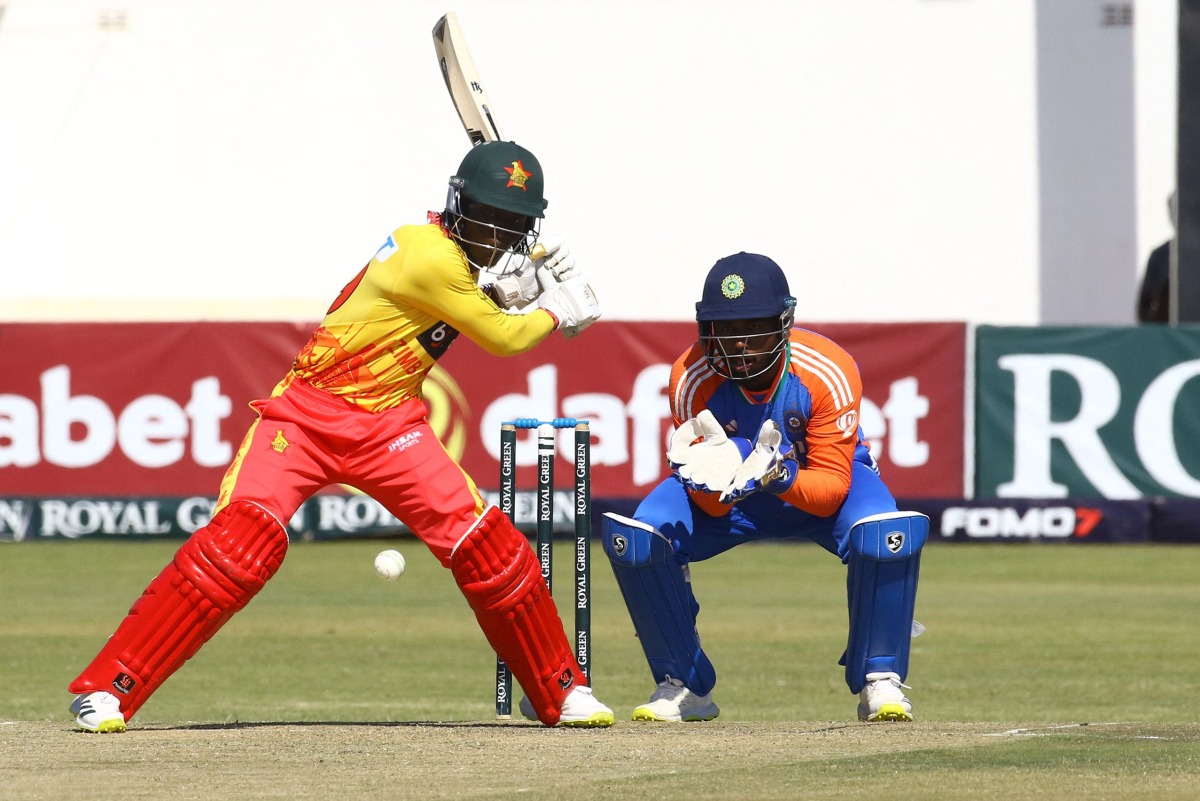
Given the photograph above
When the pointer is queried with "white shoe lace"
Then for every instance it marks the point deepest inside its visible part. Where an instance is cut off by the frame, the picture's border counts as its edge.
(886, 678)
(887, 689)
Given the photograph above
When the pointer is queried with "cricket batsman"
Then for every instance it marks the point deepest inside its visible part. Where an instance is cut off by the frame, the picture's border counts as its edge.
(350, 411)
(767, 446)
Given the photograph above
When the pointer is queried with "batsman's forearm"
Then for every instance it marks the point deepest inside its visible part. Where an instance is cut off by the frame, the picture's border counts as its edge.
(505, 334)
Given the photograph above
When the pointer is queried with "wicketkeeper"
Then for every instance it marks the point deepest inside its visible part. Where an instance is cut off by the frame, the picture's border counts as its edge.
(350, 412)
(767, 446)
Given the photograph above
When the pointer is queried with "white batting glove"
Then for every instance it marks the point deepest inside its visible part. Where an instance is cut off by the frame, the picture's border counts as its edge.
(517, 289)
(771, 466)
(554, 255)
(703, 456)
(522, 286)
(572, 302)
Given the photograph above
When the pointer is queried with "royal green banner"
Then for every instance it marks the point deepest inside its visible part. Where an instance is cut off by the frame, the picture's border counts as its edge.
(1087, 412)
(333, 516)
(324, 516)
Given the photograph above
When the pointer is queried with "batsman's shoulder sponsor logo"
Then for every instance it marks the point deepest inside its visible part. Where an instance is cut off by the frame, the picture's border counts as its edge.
(385, 251)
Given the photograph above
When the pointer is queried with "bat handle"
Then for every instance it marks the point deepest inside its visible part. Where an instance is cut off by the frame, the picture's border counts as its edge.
(538, 251)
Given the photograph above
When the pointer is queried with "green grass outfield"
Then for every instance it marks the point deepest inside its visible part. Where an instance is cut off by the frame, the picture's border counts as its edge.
(1047, 670)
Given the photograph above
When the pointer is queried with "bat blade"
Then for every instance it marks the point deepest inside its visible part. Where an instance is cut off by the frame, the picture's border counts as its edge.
(462, 81)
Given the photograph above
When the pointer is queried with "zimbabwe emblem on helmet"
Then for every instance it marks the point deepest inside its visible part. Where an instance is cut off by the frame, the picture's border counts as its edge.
(732, 286)
(517, 175)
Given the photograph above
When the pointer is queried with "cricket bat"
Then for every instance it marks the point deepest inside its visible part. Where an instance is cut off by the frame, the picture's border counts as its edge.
(466, 90)
(475, 110)
(462, 81)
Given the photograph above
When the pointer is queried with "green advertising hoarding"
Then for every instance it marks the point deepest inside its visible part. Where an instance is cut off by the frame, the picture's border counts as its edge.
(1087, 412)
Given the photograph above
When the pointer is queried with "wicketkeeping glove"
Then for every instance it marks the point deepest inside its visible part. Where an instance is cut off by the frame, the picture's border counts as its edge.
(703, 456)
(771, 466)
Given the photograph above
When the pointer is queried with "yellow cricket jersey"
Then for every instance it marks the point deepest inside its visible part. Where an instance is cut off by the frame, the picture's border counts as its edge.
(390, 324)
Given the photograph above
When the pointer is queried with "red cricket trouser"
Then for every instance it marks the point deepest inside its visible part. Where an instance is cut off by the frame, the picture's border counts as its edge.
(307, 439)
(303, 440)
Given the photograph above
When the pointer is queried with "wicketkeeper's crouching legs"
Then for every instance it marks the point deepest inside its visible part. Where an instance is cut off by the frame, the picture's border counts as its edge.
(500, 576)
(658, 594)
(659, 597)
(213, 575)
(884, 562)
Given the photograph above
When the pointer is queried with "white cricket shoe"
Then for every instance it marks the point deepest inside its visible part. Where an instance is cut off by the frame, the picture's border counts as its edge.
(98, 712)
(580, 709)
(672, 701)
(883, 699)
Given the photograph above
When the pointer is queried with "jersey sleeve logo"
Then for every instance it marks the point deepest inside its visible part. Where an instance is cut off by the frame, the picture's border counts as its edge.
(848, 422)
(437, 339)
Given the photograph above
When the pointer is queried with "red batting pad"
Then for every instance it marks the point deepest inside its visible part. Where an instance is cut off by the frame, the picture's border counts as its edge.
(499, 574)
(214, 574)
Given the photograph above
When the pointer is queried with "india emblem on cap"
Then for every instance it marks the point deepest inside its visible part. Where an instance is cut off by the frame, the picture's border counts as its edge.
(732, 286)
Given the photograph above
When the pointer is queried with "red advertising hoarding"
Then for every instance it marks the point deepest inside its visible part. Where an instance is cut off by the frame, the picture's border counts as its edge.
(157, 409)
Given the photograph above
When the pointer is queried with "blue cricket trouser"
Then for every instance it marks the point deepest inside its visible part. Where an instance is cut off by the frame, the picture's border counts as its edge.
(697, 536)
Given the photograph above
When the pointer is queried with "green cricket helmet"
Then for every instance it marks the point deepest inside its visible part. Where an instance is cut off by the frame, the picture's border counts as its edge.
(494, 204)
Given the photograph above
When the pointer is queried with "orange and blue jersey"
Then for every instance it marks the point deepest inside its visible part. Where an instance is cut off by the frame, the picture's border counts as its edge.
(837, 501)
(814, 402)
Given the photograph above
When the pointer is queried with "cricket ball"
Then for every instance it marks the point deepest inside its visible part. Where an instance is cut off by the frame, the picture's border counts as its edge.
(389, 565)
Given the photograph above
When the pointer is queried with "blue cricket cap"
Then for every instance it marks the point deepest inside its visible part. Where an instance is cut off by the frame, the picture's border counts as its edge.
(744, 286)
